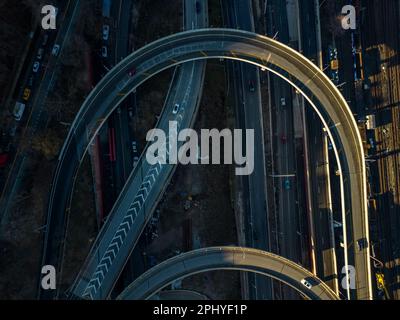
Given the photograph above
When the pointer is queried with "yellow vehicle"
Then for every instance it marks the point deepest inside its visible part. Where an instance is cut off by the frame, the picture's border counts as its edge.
(27, 94)
(380, 282)
(334, 64)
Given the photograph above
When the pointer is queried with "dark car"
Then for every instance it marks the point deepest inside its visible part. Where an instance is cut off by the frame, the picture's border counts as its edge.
(30, 81)
(3, 160)
(362, 244)
(176, 108)
(36, 67)
(152, 261)
(106, 32)
(335, 76)
(251, 86)
(286, 184)
(310, 282)
(132, 72)
(333, 53)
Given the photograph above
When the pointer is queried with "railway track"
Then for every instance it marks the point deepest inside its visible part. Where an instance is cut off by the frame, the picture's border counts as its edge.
(383, 15)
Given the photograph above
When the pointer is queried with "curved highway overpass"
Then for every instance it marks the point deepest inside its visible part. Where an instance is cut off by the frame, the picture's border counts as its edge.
(243, 46)
(185, 89)
(227, 258)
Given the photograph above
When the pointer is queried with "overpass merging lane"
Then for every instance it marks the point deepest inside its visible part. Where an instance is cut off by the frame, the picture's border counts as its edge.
(231, 258)
(247, 47)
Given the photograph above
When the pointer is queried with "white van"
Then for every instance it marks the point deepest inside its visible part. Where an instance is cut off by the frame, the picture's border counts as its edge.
(19, 111)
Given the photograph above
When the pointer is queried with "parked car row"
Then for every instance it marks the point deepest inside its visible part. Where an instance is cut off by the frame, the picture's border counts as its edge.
(105, 37)
(20, 106)
(334, 64)
(135, 153)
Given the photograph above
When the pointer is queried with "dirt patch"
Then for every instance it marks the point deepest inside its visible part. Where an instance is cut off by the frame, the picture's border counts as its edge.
(82, 226)
(152, 26)
(21, 235)
(150, 96)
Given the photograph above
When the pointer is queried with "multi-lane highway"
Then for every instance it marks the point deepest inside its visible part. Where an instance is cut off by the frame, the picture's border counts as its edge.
(282, 124)
(249, 47)
(56, 219)
(118, 47)
(124, 160)
(147, 184)
(36, 107)
(245, 80)
(231, 258)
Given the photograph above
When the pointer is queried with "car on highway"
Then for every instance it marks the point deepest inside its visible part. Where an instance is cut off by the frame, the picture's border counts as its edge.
(362, 244)
(104, 52)
(30, 81)
(306, 283)
(283, 138)
(135, 160)
(198, 7)
(106, 32)
(176, 108)
(36, 66)
(134, 147)
(283, 102)
(251, 86)
(335, 76)
(55, 50)
(371, 143)
(286, 184)
(13, 130)
(334, 64)
(132, 72)
(3, 159)
(56, 13)
(130, 112)
(19, 111)
(26, 94)
(337, 224)
(39, 55)
(333, 53)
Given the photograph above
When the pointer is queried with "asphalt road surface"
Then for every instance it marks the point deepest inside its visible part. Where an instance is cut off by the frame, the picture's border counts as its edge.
(146, 184)
(248, 110)
(232, 258)
(284, 175)
(234, 44)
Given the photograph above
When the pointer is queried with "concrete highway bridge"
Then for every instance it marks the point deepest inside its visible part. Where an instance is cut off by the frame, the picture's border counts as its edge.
(121, 231)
